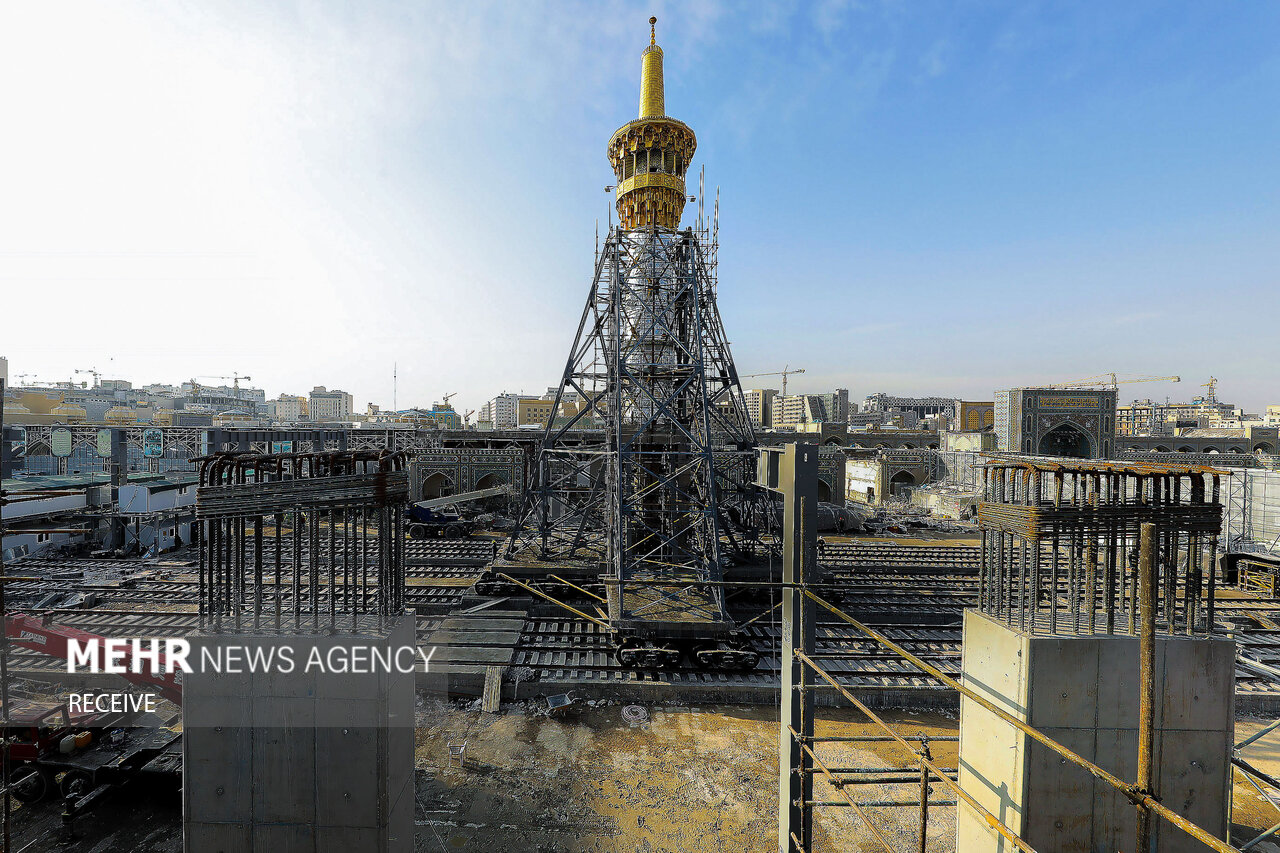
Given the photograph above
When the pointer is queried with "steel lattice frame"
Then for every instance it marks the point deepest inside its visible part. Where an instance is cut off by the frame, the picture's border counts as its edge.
(653, 492)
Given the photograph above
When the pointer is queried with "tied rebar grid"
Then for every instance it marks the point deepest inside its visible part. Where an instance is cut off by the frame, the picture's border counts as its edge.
(337, 524)
(1060, 544)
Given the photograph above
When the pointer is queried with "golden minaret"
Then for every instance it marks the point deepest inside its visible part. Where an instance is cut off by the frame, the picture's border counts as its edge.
(651, 154)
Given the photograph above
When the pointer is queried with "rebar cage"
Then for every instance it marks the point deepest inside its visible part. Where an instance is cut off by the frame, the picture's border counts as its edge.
(1060, 544)
(301, 542)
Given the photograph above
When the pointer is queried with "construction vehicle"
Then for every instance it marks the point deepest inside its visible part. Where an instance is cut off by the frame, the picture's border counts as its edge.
(427, 522)
(88, 753)
(437, 517)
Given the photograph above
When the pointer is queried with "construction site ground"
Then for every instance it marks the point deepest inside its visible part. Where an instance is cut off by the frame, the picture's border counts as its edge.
(684, 779)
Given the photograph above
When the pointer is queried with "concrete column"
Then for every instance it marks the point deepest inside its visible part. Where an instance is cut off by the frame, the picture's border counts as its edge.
(1082, 690)
(298, 762)
(793, 473)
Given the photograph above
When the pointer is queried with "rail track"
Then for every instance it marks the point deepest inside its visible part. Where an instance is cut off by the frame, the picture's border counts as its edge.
(915, 594)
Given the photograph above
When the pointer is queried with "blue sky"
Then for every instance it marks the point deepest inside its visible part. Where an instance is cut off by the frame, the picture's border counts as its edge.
(916, 197)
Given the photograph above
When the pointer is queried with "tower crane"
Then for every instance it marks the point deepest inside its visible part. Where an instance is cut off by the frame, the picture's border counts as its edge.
(1212, 385)
(97, 377)
(234, 377)
(447, 396)
(784, 373)
(1110, 380)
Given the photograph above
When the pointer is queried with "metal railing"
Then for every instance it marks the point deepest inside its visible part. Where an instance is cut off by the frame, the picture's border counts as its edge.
(785, 472)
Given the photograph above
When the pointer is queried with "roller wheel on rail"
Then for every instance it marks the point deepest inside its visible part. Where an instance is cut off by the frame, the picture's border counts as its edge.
(453, 531)
(490, 584)
(636, 653)
(734, 654)
(75, 784)
(417, 531)
(30, 784)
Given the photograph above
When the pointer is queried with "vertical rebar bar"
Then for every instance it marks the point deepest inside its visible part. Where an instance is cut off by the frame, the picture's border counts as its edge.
(257, 573)
(313, 568)
(333, 587)
(1022, 585)
(925, 755)
(297, 568)
(1053, 589)
(279, 519)
(1212, 583)
(348, 569)
(983, 564)
(1146, 688)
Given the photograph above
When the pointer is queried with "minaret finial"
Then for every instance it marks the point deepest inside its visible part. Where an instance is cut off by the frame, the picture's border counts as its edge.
(651, 154)
(651, 95)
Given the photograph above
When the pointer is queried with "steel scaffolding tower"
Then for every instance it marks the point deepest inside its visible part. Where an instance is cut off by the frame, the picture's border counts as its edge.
(661, 487)
(647, 464)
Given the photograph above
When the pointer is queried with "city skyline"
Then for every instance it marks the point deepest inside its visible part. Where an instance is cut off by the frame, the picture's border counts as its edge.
(359, 405)
(312, 196)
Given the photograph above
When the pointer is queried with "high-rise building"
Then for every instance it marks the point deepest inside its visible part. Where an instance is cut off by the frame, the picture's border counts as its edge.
(759, 406)
(503, 410)
(795, 409)
(325, 405)
(1144, 417)
(836, 405)
(288, 408)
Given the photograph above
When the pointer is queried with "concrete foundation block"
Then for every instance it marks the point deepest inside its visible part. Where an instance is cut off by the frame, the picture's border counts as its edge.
(1082, 690)
(301, 761)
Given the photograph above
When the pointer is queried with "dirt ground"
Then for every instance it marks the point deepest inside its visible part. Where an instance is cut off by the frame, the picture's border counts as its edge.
(688, 779)
(685, 779)
(1251, 812)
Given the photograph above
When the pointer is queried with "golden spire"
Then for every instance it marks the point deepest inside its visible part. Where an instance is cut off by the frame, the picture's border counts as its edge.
(651, 94)
(651, 154)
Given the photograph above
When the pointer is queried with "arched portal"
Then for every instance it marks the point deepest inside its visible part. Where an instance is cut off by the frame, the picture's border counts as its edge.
(437, 485)
(901, 483)
(1185, 449)
(491, 481)
(1160, 448)
(1212, 450)
(1065, 440)
(497, 503)
(1262, 447)
(824, 492)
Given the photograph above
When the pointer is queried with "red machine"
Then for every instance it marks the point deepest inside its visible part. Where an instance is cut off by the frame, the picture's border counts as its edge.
(89, 753)
(38, 635)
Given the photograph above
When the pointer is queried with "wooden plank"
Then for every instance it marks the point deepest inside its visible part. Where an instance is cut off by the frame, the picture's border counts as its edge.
(492, 689)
